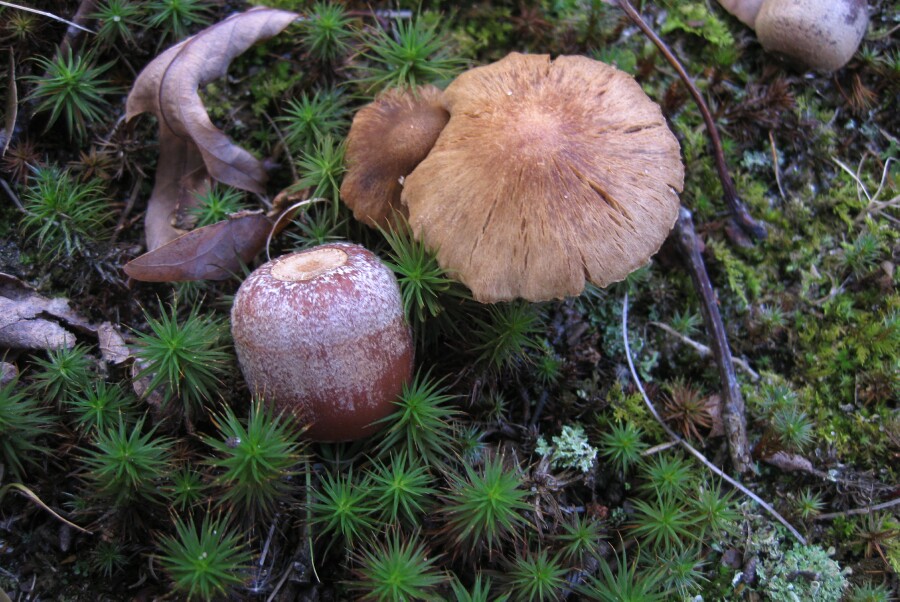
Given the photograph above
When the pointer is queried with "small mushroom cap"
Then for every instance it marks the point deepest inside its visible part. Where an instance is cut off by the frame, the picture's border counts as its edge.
(822, 34)
(387, 139)
(549, 173)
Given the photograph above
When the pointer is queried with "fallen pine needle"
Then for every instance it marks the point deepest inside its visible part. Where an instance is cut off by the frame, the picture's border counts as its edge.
(855, 511)
(46, 14)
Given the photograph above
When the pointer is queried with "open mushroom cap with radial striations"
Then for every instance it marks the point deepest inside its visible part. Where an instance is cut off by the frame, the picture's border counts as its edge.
(387, 139)
(549, 173)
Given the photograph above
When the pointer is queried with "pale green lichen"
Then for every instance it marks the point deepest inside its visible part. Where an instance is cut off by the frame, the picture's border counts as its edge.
(570, 449)
(802, 573)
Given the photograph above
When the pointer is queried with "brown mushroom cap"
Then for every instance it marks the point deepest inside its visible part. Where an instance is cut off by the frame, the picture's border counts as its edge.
(549, 173)
(387, 139)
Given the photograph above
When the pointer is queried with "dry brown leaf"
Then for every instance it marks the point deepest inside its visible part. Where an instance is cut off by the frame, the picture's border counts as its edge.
(192, 149)
(180, 176)
(31, 321)
(212, 252)
(168, 87)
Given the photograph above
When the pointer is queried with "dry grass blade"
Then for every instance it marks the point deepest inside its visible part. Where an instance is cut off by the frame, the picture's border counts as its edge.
(34, 498)
(46, 14)
(12, 106)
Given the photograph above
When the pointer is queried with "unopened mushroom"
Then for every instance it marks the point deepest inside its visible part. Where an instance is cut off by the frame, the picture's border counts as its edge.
(549, 173)
(387, 139)
(322, 335)
(821, 34)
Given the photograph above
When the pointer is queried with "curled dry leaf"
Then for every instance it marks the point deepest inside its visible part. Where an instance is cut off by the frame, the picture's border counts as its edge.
(31, 321)
(212, 252)
(192, 149)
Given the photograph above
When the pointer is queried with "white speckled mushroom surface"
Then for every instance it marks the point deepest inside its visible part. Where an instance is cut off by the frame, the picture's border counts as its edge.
(322, 334)
(549, 173)
(822, 34)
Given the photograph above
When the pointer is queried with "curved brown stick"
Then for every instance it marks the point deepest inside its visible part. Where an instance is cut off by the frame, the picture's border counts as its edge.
(738, 209)
(733, 417)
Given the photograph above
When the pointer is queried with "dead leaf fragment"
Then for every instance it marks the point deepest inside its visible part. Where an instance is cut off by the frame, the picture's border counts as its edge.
(31, 321)
(192, 150)
(180, 177)
(789, 462)
(113, 348)
(212, 252)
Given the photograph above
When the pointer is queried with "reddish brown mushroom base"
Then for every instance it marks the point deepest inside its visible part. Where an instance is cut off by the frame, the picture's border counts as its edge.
(549, 173)
(323, 336)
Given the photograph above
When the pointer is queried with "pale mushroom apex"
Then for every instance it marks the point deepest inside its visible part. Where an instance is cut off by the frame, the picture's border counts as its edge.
(549, 173)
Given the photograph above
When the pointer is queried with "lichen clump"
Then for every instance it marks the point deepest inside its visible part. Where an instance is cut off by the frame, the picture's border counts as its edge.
(802, 573)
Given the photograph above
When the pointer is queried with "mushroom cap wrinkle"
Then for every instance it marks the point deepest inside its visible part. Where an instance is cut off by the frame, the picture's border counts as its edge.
(549, 173)
(387, 139)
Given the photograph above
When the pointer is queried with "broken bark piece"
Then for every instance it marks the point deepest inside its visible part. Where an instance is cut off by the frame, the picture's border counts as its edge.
(8, 373)
(31, 321)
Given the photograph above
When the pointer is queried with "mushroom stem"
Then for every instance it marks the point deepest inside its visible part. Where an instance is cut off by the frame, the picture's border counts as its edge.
(739, 211)
(733, 417)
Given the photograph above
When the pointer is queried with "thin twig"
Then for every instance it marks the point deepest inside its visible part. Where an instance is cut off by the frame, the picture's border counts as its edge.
(46, 14)
(72, 37)
(856, 511)
(659, 448)
(12, 105)
(287, 211)
(733, 419)
(775, 164)
(704, 351)
(12, 195)
(687, 446)
(738, 210)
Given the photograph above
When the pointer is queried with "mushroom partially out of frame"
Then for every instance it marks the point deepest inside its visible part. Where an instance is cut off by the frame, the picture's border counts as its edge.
(821, 34)
(387, 139)
(322, 335)
(549, 173)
